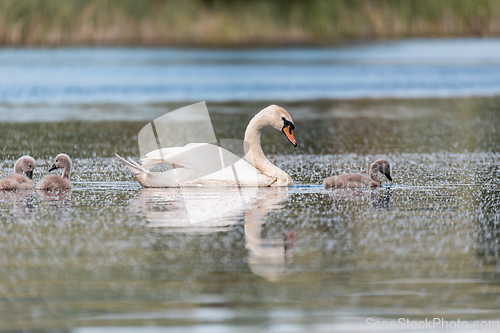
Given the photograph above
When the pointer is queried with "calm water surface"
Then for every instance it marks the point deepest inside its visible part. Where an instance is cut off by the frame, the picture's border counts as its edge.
(111, 256)
(62, 84)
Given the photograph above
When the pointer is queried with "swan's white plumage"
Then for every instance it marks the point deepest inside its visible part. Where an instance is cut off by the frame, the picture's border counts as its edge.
(196, 164)
(204, 164)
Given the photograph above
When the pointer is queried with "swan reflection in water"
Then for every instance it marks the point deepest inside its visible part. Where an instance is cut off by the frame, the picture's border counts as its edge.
(380, 198)
(26, 203)
(55, 198)
(21, 202)
(215, 209)
(57, 204)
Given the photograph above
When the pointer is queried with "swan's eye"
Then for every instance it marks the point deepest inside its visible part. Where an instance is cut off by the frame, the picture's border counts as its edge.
(287, 123)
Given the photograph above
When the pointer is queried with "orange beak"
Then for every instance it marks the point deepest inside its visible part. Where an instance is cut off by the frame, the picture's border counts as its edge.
(289, 134)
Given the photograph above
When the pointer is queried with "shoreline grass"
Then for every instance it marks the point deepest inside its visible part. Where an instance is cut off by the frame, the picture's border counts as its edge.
(239, 22)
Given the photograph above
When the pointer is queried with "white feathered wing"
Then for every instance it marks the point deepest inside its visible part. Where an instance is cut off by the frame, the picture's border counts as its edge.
(196, 164)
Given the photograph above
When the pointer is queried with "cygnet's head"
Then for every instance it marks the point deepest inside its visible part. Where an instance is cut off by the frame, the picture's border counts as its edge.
(25, 164)
(62, 161)
(384, 167)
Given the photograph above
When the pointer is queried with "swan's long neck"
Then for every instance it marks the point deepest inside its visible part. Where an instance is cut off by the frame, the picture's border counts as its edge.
(66, 171)
(374, 170)
(253, 150)
(18, 168)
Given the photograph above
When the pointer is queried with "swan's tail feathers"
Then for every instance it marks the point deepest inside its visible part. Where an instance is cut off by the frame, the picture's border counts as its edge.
(131, 164)
(149, 162)
(137, 165)
(139, 172)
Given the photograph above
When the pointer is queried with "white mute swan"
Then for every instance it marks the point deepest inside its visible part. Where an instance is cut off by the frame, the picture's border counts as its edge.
(204, 164)
(18, 181)
(357, 180)
(54, 182)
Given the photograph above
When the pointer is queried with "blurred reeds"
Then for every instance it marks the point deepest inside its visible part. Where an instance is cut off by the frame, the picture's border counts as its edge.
(239, 22)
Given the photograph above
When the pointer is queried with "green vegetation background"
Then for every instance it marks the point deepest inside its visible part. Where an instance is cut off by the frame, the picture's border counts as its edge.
(239, 22)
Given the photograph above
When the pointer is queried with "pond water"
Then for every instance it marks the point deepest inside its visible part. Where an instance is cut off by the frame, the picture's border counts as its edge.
(111, 256)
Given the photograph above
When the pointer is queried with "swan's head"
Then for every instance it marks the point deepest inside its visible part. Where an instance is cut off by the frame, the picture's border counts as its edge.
(25, 164)
(280, 119)
(62, 161)
(384, 167)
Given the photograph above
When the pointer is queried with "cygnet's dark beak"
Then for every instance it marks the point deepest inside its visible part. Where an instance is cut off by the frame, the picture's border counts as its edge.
(29, 174)
(53, 167)
(388, 175)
